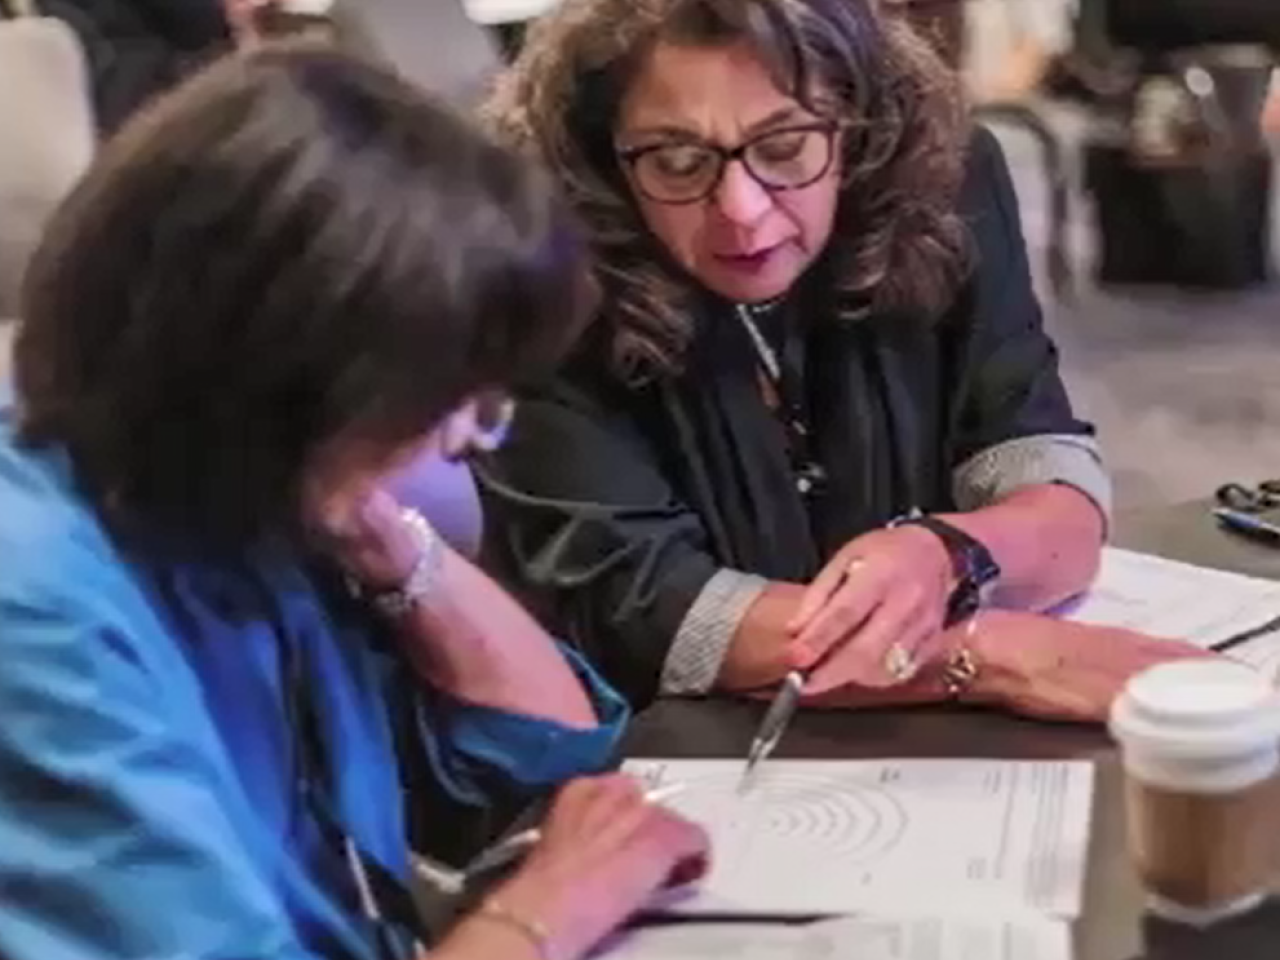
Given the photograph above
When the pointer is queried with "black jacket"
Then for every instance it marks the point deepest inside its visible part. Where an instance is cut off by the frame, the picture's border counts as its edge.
(611, 508)
(138, 48)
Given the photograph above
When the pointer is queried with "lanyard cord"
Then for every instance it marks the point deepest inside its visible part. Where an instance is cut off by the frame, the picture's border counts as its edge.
(788, 384)
(313, 766)
(767, 356)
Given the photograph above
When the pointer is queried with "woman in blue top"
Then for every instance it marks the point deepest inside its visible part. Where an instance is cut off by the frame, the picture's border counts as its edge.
(235, 674)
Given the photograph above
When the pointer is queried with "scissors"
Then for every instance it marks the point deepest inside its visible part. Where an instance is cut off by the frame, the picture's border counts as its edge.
(1237, 496)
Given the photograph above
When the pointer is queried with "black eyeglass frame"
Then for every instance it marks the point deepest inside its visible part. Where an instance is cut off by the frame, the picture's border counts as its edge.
(631, 156)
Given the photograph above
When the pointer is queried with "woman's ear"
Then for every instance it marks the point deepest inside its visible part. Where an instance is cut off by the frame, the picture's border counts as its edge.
(478, 425)
(456, 434)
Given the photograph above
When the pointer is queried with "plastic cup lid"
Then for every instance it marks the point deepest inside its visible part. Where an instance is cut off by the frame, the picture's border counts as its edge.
(1194, 707)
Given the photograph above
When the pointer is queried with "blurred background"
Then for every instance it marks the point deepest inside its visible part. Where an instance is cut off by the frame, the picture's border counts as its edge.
(1140, 133)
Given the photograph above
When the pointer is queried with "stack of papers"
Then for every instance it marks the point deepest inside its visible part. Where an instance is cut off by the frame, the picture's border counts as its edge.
(922, 859)
(854, 938)
(819, 837)
(1165, 598)
(925, 859)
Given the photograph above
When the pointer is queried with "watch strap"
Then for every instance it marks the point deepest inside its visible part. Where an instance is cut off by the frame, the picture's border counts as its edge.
(971, 562)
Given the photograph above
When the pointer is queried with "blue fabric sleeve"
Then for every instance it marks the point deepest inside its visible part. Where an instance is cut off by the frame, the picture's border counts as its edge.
(472, 748)
(114, 841)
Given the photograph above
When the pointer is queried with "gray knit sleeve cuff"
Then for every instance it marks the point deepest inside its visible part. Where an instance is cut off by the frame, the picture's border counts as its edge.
(693, 662)
(1071, 459)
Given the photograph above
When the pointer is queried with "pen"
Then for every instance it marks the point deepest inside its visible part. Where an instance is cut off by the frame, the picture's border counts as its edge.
(1244, 636)
(520, 843)
(773, 725)
(898, 662)
(1257, 528)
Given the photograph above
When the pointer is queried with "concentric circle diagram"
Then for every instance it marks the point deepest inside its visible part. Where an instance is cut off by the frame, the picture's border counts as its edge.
(800, 812)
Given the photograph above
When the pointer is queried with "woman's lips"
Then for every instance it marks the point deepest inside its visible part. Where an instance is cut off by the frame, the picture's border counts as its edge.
(748, 262)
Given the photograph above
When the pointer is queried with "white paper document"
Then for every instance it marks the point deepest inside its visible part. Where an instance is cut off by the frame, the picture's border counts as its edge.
(853, 938)
(927, 836)
(1166, 598)
(1262, 653)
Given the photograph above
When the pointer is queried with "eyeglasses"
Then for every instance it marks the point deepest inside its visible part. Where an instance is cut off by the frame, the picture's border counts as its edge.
(688, 171)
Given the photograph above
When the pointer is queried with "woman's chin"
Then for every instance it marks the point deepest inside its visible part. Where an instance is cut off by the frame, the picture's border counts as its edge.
(748, 289)
(752, 282)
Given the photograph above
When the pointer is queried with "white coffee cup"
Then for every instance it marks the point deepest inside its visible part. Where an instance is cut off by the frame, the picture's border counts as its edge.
(1200, 742)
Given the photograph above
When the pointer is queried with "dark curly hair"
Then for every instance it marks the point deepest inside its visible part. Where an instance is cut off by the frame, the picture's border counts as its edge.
(294, 248)
(898, 243)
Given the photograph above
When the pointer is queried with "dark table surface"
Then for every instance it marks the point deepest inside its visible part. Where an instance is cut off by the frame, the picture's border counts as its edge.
(1112, 926)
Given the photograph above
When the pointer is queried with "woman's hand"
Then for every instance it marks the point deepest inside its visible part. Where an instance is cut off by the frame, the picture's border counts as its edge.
(242, 20)
(364, 531)
(1058, 670)
(605, 851)
(875, 613)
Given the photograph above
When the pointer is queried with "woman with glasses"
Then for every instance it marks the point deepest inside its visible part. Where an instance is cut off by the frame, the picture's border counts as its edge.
(239, 682)
(819, 423)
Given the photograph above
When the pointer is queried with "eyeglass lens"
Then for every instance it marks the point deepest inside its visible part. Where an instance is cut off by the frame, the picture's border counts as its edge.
(781, 160)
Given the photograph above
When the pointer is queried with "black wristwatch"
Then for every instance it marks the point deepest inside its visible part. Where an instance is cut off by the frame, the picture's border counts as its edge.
(976, 571)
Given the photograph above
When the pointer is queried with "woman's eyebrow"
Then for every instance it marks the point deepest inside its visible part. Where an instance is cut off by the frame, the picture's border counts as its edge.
(779, 117)
(674, 131)
(662, 130)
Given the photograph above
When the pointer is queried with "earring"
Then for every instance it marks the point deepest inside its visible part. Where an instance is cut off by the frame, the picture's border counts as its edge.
(493, 433)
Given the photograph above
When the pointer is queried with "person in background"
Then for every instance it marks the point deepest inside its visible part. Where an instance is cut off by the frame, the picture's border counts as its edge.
(1013, 45)
(1271, 106)
(137, 49)
(819, 422)
(235, 671)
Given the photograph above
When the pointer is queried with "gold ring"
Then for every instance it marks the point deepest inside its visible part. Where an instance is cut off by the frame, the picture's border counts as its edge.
(960, 673)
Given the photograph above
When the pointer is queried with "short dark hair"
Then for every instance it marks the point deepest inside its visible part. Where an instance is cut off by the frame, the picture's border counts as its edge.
(899, 243)
(292, 247)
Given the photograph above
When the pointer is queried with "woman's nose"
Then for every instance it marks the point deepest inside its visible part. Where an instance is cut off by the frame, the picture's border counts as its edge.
(740, 197)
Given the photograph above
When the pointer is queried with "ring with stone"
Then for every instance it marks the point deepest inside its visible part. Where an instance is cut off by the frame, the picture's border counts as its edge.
(899, 662)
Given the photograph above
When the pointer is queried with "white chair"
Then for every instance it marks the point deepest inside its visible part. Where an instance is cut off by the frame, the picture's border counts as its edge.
(7, 328)
(46, 115)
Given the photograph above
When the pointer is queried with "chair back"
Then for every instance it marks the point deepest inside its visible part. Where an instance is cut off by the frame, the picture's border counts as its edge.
(7, 330)
(46, 115)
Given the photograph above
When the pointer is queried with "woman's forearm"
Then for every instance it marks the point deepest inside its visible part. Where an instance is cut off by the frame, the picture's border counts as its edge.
(472, 640)
(1047, 539)
(478, 939)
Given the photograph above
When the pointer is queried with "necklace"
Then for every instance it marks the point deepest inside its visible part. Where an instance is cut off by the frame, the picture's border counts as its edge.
(749, 314)
(810, 477)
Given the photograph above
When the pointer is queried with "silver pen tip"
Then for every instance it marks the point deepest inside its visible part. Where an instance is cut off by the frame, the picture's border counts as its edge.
(748, 771)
